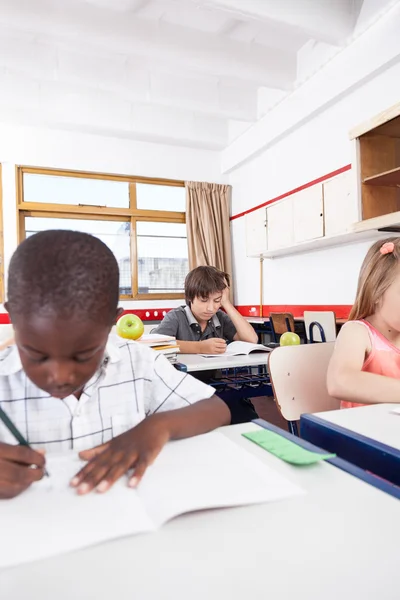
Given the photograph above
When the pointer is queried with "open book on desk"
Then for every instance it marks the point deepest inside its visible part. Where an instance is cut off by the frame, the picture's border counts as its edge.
(203, 472)
(236, 348)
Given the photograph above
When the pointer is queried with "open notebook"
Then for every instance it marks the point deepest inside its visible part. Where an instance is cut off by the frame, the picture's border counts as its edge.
(204, 472)
(236, 348)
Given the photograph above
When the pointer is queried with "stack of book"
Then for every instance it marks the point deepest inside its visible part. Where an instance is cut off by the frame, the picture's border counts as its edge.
(166, 344)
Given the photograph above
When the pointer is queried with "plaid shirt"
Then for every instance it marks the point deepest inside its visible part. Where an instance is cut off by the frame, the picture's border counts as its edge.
(132, 383)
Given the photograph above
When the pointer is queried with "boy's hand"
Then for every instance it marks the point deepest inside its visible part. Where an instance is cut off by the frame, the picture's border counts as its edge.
(213, 346)
(135, 449)
(225, 300)
(16, 472)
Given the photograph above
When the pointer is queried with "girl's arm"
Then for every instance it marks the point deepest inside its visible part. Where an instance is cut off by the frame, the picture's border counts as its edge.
(346, 380)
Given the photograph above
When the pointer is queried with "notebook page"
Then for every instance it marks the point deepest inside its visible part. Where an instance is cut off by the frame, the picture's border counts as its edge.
(50, 518)
(208, 471)
(245, 348)
(236, 348)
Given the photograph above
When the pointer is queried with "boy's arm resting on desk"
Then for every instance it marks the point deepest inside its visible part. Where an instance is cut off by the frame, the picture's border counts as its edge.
(140, 446)
(346, 380)
(16, 472)
(244, 330)
(179, 406)
(210, 346)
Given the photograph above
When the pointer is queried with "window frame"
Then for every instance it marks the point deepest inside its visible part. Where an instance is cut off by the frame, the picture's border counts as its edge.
(2, 287)
(99, 213)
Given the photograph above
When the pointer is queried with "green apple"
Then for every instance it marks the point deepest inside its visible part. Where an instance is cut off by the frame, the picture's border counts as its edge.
(289, 339)
(130, 327)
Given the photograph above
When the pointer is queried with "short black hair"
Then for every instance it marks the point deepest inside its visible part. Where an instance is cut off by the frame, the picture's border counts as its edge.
(203, 281)
(66, 273)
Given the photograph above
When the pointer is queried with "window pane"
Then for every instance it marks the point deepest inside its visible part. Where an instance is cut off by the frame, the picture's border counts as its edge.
(162, 257)
(75, 190)
(160, 197)
(115, 234)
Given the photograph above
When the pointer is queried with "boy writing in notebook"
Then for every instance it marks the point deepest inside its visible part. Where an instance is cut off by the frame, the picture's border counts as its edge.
(201, 327)
(67, 384)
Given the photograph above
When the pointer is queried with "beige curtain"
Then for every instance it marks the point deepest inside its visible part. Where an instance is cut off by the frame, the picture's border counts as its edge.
(208, 226)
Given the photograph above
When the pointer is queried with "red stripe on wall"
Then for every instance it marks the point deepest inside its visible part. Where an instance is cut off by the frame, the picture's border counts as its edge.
(156, 314)
(146, 314)
(341, 310)
(252, 310)
(298, 189)
(149, 314)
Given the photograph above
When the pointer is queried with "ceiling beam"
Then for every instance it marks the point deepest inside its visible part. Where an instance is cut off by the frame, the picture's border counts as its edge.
(329, 21)
(207, 53)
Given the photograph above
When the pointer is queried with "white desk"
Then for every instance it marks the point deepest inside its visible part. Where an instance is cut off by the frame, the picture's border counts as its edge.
(375, 422)
(266, 320)
(195, 362)
(340, 540)
(368, 436)
(258, 320)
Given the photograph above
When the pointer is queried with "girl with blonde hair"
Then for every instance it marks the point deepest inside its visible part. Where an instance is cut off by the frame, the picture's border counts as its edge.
(365, 366)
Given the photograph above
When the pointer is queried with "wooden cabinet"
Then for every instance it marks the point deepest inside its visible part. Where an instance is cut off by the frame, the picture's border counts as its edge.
(256, 232)
(297, 219)
(280, 231)
(378, 166)
(308, 214)
(361, 203)
(340, 206)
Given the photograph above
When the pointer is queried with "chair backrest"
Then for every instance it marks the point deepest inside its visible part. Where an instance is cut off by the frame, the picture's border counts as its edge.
(325, 318)
(282, 322)
(298, 377)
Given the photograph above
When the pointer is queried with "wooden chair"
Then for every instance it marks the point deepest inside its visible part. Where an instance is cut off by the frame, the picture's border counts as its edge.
(298, 377)
(281, 322)
(320, 325)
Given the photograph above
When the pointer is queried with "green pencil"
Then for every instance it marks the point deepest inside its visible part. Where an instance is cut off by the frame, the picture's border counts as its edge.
(18, 436)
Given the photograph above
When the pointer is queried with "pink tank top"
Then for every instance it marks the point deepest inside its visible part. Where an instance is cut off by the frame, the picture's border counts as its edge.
(384, 358)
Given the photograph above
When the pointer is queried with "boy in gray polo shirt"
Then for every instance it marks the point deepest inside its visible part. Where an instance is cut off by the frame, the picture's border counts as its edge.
(201, 327)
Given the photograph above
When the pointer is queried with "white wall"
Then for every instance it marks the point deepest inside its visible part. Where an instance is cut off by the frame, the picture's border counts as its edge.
(301, 154)
(41, 147)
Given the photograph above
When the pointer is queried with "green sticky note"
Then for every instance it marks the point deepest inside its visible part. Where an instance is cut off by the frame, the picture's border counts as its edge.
(285, 449)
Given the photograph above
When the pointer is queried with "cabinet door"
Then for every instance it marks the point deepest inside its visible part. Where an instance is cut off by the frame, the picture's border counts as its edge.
(340, 204)
(256, 232)
(280, 225)
(308, 214)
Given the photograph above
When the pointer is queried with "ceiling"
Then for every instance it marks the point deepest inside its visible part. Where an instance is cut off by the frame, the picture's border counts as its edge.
(188, 72)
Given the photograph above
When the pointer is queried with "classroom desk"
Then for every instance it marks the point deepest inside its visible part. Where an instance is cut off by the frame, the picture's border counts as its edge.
(339, 540)
(368, 436)
(252, 383)
(196, 362)
(266, 320)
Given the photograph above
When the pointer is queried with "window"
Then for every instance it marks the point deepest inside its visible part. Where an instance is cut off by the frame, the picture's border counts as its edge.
(141, 220)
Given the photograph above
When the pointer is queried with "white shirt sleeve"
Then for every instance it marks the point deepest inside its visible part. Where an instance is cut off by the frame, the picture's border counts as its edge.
(170, 388)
